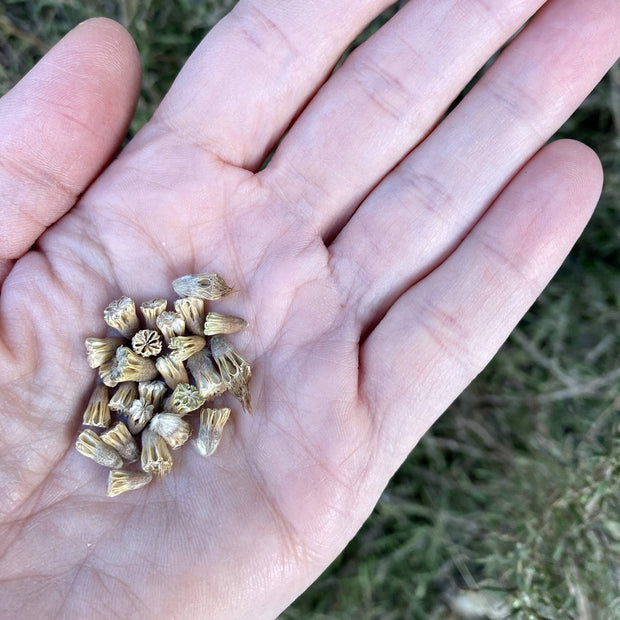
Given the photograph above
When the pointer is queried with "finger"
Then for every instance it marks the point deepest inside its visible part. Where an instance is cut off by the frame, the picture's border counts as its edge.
(421, 211)
(60, 125)
(439, 335)
(255, 70)
(384, 99)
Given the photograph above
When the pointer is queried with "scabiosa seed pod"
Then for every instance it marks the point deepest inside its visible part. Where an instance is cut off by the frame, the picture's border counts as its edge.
(192, 309)
(184, 399)
(147, 343)
(105, 372)
(204, 285)
(234, 370)
(91, 445)
(216, 323)
(173, 428)
(156, 458)
(121, 316)
(206, 377)
(172, 371)
(152, 392)
(183, 347)
(100, 350)
(97, 411)
(170, 324)
(120, 481)
(129, 366)
(211, 427)
(139, 415)
(124, 396)
(151, 309)
(119, 438)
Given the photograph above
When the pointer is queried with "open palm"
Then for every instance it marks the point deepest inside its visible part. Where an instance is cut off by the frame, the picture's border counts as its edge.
(380, 258)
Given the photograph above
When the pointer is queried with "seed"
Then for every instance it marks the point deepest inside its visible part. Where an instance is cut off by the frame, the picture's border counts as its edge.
(192, 309)
(184, 399)
(216, 323)
(120, 481)
(129, 366)
(147, 343)
(172, 371)
(173, 428)
(211, 427)
(105, 372)
(234, 370)
(124, 396)
(204, 285)
(183, 347)
(97, 411)
(90, 445)
(170, 324)
(121, 315)
(206, 377)
(151, 309)
(119, 438)
(156, 457)
(100, 350)
(152, 392)
(139, 414)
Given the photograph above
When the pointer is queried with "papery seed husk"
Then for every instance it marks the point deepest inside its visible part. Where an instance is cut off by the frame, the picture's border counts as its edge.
(147, 343)
(120, 481)
(192, 309)
(156, 458)
(173, 428)
(101, 350)
(172, 371)
(212, 423)
(121, 316)
(183, 347)
(152, 392)
(204, 285)
(234, 370)
(129, 366)
(205, 375)
(105, 372)
(119, 438)
(216, 323)
(91, 446)
(170, 324)
(151, 309)
(184, 399)
(124, 396)
(139, 415)
(97, 411)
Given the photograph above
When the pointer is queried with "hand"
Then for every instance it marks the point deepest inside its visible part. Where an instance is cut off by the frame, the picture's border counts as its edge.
(381, 259)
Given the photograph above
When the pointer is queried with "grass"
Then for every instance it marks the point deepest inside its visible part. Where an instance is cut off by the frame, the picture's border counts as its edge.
(509, 506)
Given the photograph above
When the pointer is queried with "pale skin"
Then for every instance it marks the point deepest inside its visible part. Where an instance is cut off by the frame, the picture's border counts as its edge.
(380, 258)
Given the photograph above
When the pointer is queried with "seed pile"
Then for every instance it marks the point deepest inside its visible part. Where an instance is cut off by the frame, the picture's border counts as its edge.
(159, 370)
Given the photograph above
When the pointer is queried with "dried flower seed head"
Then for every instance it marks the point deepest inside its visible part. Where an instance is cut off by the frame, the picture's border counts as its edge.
(100, 350)
(129, 366)
(120, 481)
(156, 457)
(211, 427)
(97, 411)
(234, 370)
(192, 309)
(173, 428)
(206, 377)
(204, 285)
(91, 445)
(183, 347)
(105, 372)
(216, 323)
(151, 309)
(121, 440)
(121, 315)
(147, 343)
(124, 396)
(184, 399)
(139, 415)
(172, 371)
(170, 324)
(152, 392)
